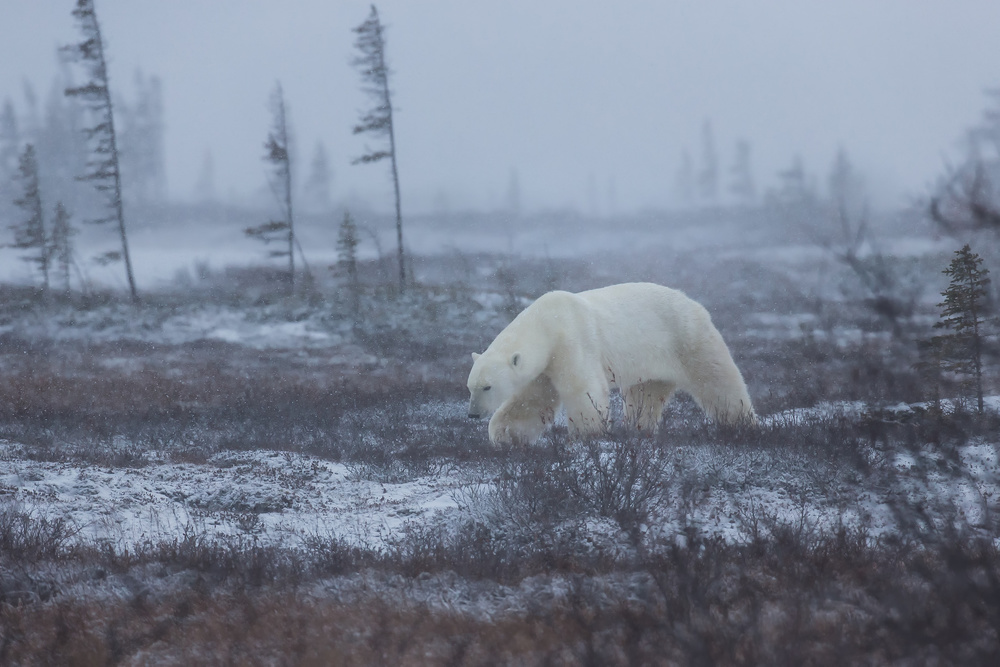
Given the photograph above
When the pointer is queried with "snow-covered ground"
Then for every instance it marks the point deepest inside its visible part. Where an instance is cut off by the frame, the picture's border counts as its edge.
(278, 497)
(281, 497)
(177, 327)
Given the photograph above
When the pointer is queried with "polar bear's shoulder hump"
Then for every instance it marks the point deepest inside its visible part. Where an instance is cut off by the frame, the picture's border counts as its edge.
(555, 301)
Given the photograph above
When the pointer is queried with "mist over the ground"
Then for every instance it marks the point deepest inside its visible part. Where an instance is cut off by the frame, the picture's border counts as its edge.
(563, 104)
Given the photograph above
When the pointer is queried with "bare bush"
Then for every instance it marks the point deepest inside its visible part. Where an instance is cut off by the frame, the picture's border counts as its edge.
(786, 598)
(623, 478)
(26, 537)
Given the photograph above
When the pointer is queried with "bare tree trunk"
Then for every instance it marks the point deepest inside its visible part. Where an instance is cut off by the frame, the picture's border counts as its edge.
(399, 213)
(375, 71)
(113, 138)
(977, 357)
(98, 92)
(287, 168)
(278, 154)
(120, 212)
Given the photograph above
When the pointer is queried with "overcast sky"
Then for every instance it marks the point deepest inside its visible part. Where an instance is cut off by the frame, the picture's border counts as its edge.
(590, 102)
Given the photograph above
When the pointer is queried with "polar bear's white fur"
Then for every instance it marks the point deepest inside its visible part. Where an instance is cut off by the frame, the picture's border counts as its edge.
(571, 349)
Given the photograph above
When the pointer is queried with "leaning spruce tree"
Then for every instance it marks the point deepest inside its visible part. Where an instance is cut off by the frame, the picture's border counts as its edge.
(963, 315)
(103, 166)
(378, 121)
(278, 154)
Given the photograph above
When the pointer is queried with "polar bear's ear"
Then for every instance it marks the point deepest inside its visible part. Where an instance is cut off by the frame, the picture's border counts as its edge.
(475, 356)
(515, 359)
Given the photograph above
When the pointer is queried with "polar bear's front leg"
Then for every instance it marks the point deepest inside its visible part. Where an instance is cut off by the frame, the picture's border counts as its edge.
(524, 417)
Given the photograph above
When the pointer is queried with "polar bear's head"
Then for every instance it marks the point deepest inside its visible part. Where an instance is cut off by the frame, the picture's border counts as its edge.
(495, 378)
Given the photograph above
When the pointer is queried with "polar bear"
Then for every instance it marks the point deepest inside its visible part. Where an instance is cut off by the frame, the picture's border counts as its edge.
(570, 349)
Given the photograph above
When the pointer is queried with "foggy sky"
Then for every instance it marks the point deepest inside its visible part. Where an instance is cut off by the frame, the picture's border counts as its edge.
(590, 103)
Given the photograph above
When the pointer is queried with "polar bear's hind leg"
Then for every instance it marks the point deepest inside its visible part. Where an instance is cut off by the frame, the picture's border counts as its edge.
(644, 403)
(721, 392)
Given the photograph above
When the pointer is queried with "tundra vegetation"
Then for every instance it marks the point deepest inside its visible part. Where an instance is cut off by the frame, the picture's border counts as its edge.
(328, 500)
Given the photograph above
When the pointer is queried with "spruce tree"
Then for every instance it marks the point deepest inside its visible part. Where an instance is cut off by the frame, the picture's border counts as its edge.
(708, 177)
(684, 184)
(30, 234)
(317, 187)
(62, 147)
(963, 315)
(347, 258)
(277, 153)
(10, 141)
(62, 244)
(104, 169)
(742, 185)
(378, 121)
(142, 143)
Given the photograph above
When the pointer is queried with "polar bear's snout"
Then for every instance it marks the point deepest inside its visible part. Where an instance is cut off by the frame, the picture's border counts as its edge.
(484, 397)
(476, 408)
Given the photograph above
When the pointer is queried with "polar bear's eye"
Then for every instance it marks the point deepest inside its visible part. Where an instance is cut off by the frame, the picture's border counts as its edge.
(487, 387)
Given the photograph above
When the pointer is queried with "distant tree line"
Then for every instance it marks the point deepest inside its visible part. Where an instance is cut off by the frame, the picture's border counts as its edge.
(703, 183)
(56, 132)
(73, 145)
(376, 122)
(90, 135)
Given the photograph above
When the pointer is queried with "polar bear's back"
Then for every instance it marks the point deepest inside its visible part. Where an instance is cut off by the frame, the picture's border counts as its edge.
(645, 308)
(648, 330)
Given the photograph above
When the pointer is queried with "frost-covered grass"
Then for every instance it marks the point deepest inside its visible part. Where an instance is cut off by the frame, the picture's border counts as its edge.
(226, 473)
(823, 534)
